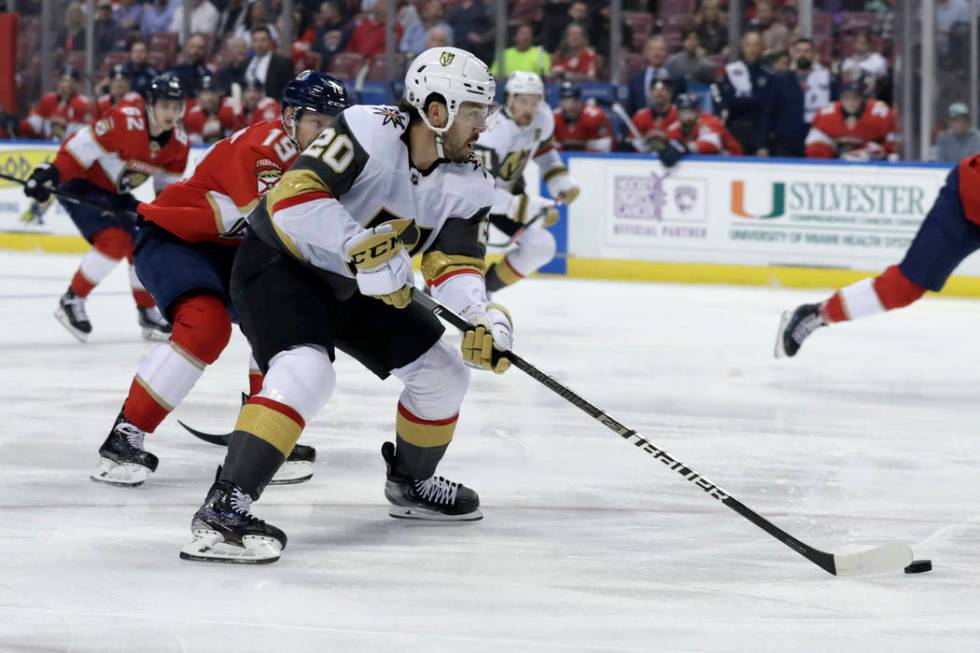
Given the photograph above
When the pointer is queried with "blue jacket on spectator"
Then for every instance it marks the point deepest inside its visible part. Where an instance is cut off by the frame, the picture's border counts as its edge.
(638, 87)
(784, 120)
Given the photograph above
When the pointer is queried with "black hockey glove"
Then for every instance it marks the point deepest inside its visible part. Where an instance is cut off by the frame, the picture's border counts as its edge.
(42, 181)
(672, 153)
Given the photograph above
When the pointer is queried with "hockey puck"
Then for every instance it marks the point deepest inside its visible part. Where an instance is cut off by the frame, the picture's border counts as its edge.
(919, 567)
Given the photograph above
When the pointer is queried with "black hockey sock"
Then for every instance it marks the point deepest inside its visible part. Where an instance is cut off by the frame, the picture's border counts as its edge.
(493, 280)
(250, 463)
(417, 462)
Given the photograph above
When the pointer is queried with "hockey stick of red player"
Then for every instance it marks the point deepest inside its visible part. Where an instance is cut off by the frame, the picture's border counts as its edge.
(71, 199)
(889, 557)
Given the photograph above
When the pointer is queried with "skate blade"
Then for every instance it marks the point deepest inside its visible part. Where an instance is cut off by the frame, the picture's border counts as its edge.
(293, 472)
(120, 474)
(421, 514)
(779, 350)
(62, 317)
(153, 335)
(209, 546)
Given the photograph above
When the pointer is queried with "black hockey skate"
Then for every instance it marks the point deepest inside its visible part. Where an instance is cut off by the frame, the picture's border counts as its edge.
(153, 324)
(435, 498)
(71, 314)
(796, 327)
(297, 468)
(225, 531)
(123, 460)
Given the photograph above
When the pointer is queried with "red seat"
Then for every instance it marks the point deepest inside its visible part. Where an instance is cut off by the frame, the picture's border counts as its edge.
(311, 61)
(110, 59)
(165, 43)
(346, 65)
(669, 8)
(76, 59)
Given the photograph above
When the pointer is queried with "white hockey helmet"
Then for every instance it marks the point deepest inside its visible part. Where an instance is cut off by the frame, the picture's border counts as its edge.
(524, 83)
(455, 75)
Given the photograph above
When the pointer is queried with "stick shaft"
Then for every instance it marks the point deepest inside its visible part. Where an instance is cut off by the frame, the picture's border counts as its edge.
(71, 199)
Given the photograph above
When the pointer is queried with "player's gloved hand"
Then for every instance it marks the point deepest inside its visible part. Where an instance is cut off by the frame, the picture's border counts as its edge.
(524, 207)
(383, 269)
(42, 181)
(640, 144)
(492, 333)
(563, 188)
(672, 153)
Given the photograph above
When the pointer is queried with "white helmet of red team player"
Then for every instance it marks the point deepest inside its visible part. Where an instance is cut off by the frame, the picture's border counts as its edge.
(453, 75)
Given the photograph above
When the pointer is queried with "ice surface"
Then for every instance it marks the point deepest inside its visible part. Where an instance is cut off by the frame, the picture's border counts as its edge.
(869, 436)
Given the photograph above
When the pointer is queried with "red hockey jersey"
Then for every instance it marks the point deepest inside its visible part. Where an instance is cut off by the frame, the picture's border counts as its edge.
(869, 135)
(703, 137)
(226, 185)
(203, 127)
(654, 127)
(266, 110)
(55, 118)
(106, 103)
(590, 133)
(117, 155)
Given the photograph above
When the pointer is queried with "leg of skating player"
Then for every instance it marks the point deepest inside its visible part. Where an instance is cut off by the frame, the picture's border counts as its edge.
(945, 238)
(109, 247)
(202, 329)
(151, 321)
(534, 248)
(297, 385)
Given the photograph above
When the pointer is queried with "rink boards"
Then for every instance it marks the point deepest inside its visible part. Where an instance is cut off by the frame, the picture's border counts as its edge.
(783, 222)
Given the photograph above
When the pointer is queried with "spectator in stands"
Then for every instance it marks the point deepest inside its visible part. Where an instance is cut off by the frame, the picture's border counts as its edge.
(775, 34)
(415, 37)
(580, 127)
(600, 30)
(778, 62)
(157, 17)
(654, 121)
(255, 16)
(473, 28)
(865, 59)
(72, 36)
(523, 55)
(128, 14)
(109, 35)
(204, 18)
(959, 140)
(232, 17)
(574, 59)
(712, 31)
(270, 69)
(368, 37)
(688, 64)
(951, 15)
(558, 15)
(195, 64)
(139, 71)
(332, 32)
(234, 71)
(438, 38)
(639, 85)
(794, 98)
(743, 91)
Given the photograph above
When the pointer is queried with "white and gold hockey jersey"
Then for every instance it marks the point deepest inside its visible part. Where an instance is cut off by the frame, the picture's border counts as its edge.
(358, 174)
(506, 147)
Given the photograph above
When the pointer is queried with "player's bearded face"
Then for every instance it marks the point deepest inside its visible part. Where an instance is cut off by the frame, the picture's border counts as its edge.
(571, 108)
(470, 122)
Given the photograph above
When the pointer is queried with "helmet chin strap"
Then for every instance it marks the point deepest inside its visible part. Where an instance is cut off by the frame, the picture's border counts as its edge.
(440, 133)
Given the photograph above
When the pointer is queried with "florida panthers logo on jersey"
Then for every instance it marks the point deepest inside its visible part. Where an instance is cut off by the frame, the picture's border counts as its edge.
(267, 175)
(135, 173)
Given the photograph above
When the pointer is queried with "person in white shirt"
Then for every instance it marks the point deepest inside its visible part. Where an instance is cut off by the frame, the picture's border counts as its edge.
(204, 18)
(864, 59)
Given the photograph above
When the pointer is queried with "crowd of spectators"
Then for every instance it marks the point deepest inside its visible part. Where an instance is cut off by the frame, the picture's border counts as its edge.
(766, 95)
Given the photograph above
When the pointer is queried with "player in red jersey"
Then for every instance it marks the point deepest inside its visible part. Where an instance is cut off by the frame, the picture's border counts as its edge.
(210, 119)
(61, 113)
(119, 94)
(654, 121)
(698, 132)
(100, 165)
(256, 105)
(580, 127)
(949, 233)
(184, 254)
(854, 128)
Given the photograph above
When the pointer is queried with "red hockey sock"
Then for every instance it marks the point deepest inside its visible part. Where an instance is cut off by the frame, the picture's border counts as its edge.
(895, 290)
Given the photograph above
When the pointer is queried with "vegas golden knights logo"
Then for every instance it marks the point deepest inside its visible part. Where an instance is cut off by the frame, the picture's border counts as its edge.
(446, 58)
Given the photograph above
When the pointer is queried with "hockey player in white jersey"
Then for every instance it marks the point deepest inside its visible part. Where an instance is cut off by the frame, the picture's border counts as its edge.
(524, 130)
(327, 265)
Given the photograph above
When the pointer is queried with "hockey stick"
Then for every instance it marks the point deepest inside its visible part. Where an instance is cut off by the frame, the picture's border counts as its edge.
(517, 234)
(889, 557)
(220, 439)
(71, 199)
